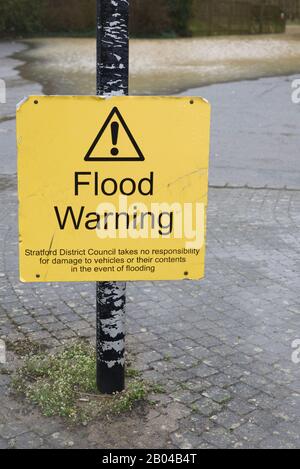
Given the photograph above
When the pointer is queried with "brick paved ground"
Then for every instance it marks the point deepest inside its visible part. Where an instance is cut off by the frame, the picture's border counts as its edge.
(221, 347)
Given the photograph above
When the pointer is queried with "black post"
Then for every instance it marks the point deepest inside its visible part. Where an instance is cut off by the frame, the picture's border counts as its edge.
(112, 80)
(112, 47)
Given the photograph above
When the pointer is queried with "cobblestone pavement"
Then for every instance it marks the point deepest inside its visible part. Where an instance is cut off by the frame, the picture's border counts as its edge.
(222, 348)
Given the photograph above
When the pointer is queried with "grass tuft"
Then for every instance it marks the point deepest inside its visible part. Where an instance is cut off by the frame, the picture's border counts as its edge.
(64, 384)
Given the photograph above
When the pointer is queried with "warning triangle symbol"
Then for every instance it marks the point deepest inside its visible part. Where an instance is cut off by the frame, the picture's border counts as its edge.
(114, 141)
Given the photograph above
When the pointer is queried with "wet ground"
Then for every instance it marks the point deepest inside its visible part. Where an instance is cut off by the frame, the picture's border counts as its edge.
(255, 136)
(164, 66)
(255, 133)
(16, 89)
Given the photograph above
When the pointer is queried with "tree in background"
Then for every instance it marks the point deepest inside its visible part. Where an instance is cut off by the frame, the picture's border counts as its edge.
(147, 18)
(161, 16)
(36, 16)
(181, 11)
(18, 17)
(70, 15)
(150, 18)
(21, 16)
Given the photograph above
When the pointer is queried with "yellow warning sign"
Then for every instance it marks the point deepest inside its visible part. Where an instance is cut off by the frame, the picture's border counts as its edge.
(112, 189)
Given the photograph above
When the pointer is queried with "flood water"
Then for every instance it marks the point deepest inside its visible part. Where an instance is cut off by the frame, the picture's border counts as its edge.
(160, 66)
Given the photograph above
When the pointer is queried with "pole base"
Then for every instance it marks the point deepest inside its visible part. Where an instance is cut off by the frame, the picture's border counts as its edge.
(110, 380)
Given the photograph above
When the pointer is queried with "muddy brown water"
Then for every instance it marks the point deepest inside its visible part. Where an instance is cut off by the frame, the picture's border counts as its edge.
(160, 66)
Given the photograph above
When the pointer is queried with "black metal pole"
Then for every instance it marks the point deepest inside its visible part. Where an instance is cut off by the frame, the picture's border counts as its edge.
(112, 80)
(112, 47)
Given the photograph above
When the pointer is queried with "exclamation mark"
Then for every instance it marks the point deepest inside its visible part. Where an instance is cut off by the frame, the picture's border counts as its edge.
(114, 137)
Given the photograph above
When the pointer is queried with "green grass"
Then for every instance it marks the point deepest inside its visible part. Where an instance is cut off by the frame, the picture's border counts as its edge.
(194, 408)
(64, 384)
(157, 388)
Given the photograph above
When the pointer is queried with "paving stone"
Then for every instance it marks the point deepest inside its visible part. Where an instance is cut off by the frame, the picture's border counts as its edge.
(4, 444)
(243, 390)
(27, 440)
(204, 371)
(228, 420)
(240, 407)
(12, 430)
(207, 407)
(219, 438)
(273, 442)
(218, 395)
(288, 430)
(264, 419)
(250, 433)
(185, 440)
